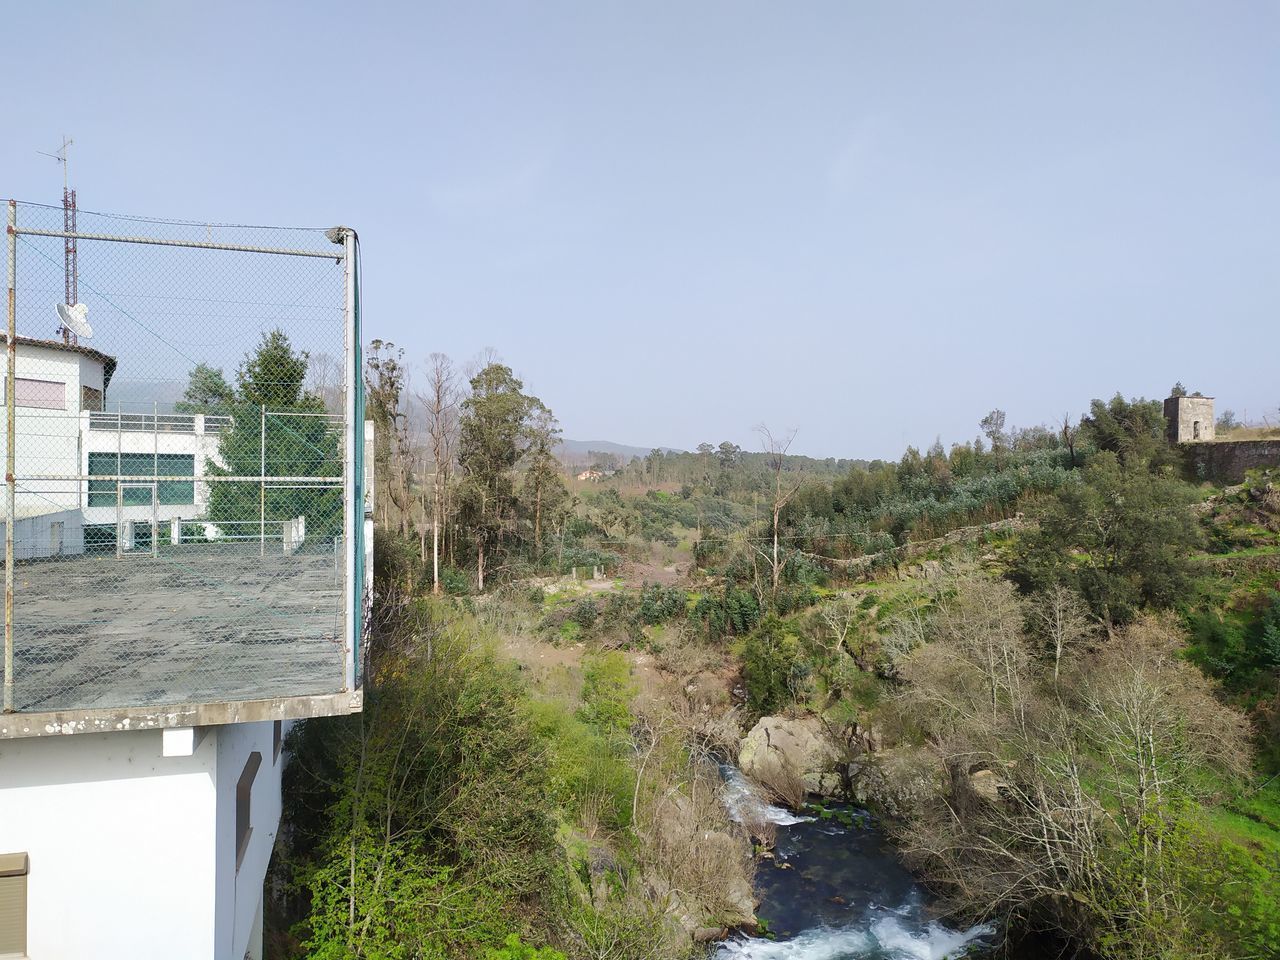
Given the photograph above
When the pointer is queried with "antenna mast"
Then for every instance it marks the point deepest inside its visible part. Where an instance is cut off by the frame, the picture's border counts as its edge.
(70, 265)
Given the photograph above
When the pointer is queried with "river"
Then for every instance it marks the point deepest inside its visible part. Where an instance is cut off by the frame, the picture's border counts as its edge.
(835, 890)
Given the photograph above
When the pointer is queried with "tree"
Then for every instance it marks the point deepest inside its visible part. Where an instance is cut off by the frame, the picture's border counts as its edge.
(1134, 430)
(440, 403)
(1228, 422)
(269, 388)
(1178, 390)
(272, 375)
(207, 392)
(491, 440)
(1063, 623)
(1120, 537)
(1069, 433)
(727, 454)
(1066, 806)
(993, 428)
(542, 484)
(783, 490)
(393, 448)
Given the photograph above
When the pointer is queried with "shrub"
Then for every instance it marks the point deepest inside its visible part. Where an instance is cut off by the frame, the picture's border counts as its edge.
(513, 949)
(772, 666)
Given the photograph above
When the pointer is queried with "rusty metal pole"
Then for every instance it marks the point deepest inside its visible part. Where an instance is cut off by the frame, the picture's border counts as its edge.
(10, 384)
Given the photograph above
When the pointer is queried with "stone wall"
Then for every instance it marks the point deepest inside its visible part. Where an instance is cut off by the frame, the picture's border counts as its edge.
(1226, 461)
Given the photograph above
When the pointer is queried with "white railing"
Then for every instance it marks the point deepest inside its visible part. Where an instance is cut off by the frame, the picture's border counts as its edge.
(193, 423)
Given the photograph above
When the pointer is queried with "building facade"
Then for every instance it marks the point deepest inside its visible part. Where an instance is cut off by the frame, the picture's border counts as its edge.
(1189, 419)
(154, 659)
(150, 844)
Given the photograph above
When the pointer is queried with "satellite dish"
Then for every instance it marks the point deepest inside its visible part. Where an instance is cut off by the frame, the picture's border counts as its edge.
(73, 318)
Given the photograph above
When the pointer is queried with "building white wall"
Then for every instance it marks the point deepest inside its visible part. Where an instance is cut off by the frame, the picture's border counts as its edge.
(132, 853)
(48, 441)
(202, 446)
(36, 538)
(238, 893)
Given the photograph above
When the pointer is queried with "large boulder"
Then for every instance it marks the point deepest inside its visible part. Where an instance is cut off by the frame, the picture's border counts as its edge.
(894, 782)
(784, 754)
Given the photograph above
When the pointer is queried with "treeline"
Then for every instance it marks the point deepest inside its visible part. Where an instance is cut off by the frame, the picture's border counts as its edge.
(723, 469)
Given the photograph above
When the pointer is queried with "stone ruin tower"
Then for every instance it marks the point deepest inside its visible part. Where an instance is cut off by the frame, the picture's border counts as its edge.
(1190, 419)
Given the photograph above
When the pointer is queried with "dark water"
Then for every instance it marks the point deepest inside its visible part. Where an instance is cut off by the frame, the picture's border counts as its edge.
(836, 891)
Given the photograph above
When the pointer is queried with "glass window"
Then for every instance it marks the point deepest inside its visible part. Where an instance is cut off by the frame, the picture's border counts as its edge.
(102, 493)
(48, 394)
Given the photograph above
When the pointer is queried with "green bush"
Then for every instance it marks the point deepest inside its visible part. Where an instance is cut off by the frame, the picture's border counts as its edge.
(607, 692)
(513, 949)
(772, 666)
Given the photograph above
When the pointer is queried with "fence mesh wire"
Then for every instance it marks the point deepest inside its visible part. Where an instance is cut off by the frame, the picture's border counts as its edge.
(179, 507)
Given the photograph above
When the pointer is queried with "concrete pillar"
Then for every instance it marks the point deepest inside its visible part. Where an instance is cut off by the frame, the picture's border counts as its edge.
(128, 536)
(175, 530)
(253, 950)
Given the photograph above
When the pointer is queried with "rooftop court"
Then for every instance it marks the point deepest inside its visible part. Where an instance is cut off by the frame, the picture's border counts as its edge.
(197, 623)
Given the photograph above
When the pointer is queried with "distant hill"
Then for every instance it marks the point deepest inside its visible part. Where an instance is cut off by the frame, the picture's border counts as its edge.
(575, 451)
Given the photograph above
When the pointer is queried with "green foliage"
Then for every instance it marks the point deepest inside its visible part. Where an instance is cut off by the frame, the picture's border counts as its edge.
(207, 392)
(302, 445)
(1121, 537)
(735, 612)
(513, 949)
(436, 796)
(660, 604)
(607, 692)
(587, 772)
(585, 612)
(490, 443)
(773, 668)
(1132, 430)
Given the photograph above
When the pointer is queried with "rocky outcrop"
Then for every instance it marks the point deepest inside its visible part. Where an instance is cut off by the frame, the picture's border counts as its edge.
(703, 875)
(790, 755)
(893, 782)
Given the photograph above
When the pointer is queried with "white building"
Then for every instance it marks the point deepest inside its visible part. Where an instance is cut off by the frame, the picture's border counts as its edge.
(137, 819)
(65, 434)
(142, 844)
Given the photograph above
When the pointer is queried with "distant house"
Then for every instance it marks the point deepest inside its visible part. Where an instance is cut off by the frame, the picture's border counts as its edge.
(593, 475)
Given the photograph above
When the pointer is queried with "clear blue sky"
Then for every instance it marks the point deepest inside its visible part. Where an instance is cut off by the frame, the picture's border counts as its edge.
(870, 221)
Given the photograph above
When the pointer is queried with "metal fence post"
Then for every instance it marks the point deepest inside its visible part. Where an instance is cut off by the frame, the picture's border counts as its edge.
(353, 509)
(262, 491)
(10, 470)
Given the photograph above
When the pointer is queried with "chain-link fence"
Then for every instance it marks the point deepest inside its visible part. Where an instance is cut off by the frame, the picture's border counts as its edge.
(184, 444)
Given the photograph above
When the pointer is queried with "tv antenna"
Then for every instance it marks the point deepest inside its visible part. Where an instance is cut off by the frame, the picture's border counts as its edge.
(71, 311)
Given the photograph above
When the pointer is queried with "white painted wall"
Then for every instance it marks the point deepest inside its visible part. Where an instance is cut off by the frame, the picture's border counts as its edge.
(133, 853)
(48, 440)
(202, 446)
(238, 893)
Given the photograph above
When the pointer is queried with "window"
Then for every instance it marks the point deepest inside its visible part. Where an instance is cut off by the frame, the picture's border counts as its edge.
(91, 399)
(100, 537)
(49, 394)
(244, 791)
(277, 739)
(1195, 430)
(13, 904)
(102, 493)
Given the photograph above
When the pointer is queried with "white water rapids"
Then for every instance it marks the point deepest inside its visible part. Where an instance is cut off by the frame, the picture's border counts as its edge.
(836, 892)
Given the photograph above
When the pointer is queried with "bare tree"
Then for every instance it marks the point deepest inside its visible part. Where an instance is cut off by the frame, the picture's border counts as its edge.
(783, 489)
(1069, 434)
(440, 403)
(840, 615)
(1064, 622)
(324, 380)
